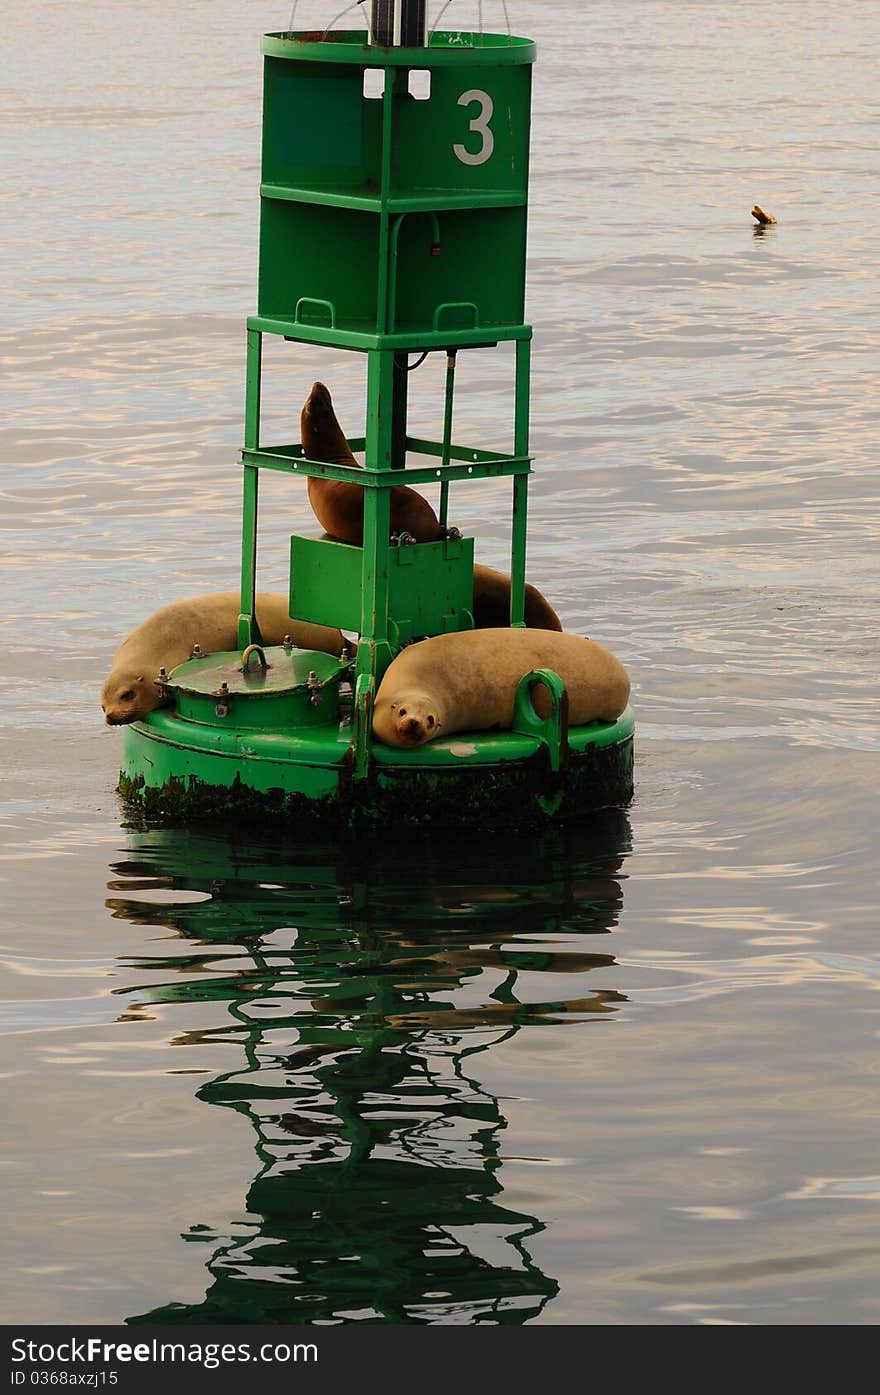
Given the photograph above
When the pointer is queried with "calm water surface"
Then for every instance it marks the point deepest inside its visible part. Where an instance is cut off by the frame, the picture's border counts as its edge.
(624, 1072)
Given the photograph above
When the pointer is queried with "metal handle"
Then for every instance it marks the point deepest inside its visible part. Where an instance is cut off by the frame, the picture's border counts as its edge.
(248, 655)
(456, 305)
(310, 300)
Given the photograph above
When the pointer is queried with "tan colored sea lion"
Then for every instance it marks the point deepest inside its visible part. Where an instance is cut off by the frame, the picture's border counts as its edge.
(468, 682)
(168, 637)
(492, 603)
(339, 507)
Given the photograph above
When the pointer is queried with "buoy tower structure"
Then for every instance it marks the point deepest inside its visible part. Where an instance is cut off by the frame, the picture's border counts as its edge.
(394, 201)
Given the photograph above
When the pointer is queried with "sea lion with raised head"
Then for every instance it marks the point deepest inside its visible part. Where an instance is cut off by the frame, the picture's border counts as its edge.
(492, 603)
(468, 682)
(209, 621)
(339, 506)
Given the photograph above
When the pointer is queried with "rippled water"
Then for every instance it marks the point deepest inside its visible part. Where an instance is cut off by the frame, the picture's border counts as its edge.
(625, 1072)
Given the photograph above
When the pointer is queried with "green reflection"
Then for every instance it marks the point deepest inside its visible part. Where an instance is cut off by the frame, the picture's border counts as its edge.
(362, 981)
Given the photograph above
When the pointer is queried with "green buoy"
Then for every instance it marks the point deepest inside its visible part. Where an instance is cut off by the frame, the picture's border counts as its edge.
(394, 204)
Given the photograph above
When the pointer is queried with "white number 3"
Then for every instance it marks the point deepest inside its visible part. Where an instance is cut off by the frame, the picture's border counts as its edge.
(480, 124)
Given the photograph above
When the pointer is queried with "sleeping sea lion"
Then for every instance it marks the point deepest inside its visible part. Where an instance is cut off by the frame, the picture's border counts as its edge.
(468, 682)
(492, 603)
(339, 507)
(168, 637)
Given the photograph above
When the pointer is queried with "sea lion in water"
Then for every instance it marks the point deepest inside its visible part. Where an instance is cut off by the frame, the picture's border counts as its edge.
(339, 507)
(492, 603)
(468, 682)
(168, 637)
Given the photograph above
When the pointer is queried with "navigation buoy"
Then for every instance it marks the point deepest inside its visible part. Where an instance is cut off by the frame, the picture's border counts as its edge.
(394, 208)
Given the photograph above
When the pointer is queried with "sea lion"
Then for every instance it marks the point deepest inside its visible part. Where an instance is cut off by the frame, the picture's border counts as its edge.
(339, 507)
(468, 681)
(762, 216)
(168, 637)
(492, 603)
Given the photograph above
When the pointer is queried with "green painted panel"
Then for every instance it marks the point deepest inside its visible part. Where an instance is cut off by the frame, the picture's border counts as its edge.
(316, 253)
(317, 128)
(430, 586)
(472, 134)
(325, 746)
(325, 579)
(310, 124)
(479, 275)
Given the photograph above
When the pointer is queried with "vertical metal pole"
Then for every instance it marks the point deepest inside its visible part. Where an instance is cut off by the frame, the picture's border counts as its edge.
(377, 502)
(521, 407)
(385, 268)
(447, 433)
(398, 411)
(248, 630)
(520, 486)
(398, 23)
(413, 23)
(374, 649)
(382, 23)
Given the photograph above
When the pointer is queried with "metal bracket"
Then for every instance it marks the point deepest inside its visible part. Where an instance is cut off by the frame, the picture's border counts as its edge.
(552, 730)
(248, 631)
(362, 724)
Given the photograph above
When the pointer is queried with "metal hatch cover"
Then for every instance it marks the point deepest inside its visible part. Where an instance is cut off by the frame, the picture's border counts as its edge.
(286, 671)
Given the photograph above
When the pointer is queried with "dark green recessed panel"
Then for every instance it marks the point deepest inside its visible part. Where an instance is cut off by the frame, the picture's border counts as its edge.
(318, 132)
(318, 264)
(477, 281)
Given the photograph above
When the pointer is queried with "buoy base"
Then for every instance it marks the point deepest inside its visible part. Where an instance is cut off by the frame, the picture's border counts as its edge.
(176, 771)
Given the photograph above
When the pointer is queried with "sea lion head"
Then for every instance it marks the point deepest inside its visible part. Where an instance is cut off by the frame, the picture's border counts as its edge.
(126, 697)
(318, 416)
(410, 720)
